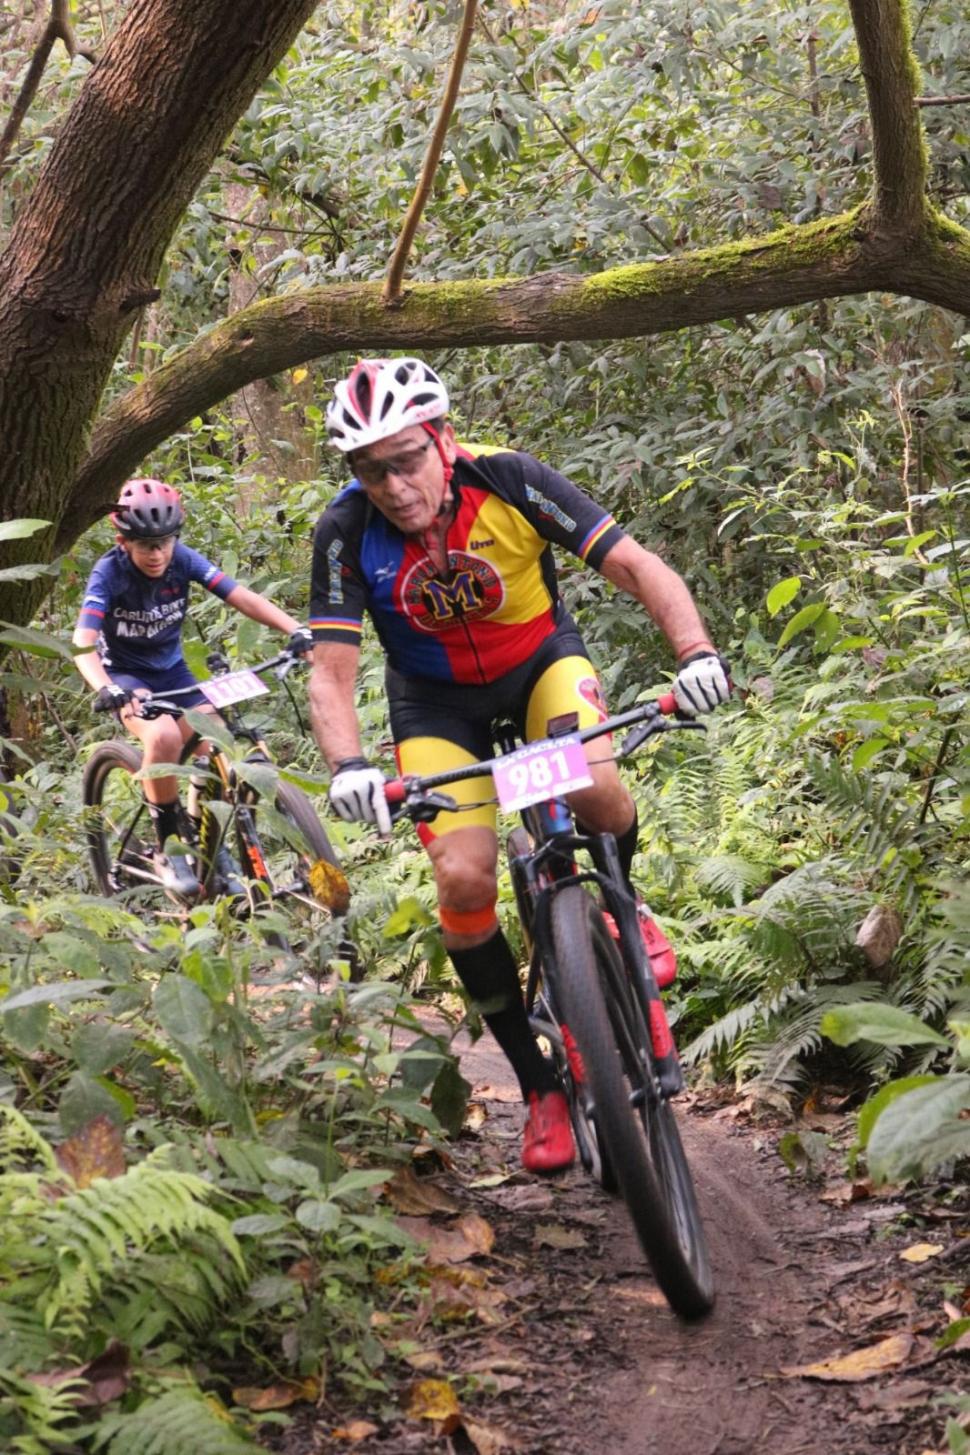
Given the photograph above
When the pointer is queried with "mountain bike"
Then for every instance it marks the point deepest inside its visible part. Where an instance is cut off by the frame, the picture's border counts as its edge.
(282, 847)
(591, 993)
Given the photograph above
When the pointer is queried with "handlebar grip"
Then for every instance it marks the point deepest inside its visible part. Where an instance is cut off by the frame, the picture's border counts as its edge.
(667, 704)
(394, 790)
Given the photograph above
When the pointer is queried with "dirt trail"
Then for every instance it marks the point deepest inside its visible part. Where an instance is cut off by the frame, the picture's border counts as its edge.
(586, 1359)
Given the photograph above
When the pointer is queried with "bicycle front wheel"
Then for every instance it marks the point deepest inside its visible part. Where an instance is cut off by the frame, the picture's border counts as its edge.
(119, 832)
(637, 1127)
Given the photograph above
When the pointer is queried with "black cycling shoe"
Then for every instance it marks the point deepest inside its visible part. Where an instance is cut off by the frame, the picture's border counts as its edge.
(176, 874)
(226, 874)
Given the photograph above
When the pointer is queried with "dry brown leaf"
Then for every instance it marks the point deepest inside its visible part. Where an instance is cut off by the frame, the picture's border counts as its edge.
(418, 1195)
(434, 1399)
(487, 1439)
(355, 1431)
(476, 1115)
(862, 1364)
(104, 1379)
(97, 1150)
(425, 1361)
(847, 1192)
(921, 1252)
(554, 1235)
(277, 1396)
(470, 1237)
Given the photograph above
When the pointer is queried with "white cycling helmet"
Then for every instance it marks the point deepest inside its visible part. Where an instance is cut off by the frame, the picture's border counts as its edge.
(379, 397)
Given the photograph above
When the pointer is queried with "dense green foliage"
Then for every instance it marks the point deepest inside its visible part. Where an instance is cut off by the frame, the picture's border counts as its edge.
(806, 471)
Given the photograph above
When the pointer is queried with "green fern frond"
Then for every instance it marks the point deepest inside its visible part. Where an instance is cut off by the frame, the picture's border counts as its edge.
(174, 1423)
(98, 1229)
(31, 1415)
(21, 1144)
(729, 876)
(795, 1033)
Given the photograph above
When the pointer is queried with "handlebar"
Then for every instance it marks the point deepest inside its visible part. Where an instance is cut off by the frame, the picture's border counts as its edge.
(416, 797)
(156, 705)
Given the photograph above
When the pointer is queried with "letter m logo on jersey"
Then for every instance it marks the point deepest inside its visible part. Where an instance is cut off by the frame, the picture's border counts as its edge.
(447, 599)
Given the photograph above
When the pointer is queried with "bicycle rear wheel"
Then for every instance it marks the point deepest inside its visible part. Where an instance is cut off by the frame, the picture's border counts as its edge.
(637, 1127)
(120, 836)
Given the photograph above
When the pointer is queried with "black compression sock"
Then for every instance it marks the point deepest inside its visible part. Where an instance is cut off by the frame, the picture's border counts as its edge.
(490, 977)
(167, 820)
(626, 846)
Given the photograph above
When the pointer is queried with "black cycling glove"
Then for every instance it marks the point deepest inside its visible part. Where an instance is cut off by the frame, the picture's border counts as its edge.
(300, 641)
(111, 698)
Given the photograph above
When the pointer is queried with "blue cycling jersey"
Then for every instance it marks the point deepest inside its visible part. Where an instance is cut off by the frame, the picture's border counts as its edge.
(139, 618)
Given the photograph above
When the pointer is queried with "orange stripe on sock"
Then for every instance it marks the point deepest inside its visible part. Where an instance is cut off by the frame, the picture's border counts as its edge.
(468, 921)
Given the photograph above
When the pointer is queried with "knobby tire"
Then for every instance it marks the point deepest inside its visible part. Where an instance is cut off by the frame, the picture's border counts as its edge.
(641, 1141)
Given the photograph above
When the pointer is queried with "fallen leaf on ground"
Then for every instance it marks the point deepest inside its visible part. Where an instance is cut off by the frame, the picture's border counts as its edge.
(554, 1235)
(862, 1364)
(411, 1194)
(98, 1382)
(470, 1237)
(487, 1439)
(277, 1396)
(526, 1197)
(356, 1430)
(434, 1399)
(847, 1192)
(97, 1150)
(920, 1252)
(476, 1115)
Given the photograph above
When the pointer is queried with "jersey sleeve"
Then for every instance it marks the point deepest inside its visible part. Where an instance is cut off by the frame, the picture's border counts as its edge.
(337, 593)
(212, 577)
(97, 598)
(563, 514)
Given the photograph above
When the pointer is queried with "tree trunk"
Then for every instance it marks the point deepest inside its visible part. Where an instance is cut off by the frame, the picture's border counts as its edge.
(85, 251)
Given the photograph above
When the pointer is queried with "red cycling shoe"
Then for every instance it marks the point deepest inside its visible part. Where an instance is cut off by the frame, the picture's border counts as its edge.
(548, 1143)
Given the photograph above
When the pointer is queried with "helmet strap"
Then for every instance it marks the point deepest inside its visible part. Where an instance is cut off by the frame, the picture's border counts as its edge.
(447, 499)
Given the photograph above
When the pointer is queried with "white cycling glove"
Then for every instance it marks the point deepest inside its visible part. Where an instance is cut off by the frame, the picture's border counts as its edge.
(357, 794)
(702, 683)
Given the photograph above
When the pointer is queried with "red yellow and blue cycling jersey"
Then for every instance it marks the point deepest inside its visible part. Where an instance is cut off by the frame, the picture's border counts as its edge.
(499, 599)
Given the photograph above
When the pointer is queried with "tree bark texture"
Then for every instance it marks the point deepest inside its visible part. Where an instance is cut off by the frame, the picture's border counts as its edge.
(85, 251)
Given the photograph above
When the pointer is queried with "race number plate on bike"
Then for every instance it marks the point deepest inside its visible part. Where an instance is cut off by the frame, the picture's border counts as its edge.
(546, 769)
(232, 687)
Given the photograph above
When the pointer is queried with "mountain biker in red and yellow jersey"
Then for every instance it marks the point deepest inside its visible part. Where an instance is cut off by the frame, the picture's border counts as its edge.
(449, 550)
(131, 622)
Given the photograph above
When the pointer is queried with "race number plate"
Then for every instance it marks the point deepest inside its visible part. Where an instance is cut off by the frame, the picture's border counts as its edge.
(232, 687)
(546, 769)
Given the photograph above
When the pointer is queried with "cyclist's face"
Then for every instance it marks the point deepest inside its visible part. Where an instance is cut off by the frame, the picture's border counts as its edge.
(152, 557)
(404, 477)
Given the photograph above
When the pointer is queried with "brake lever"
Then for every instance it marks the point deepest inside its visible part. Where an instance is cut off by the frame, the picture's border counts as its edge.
(639, 734)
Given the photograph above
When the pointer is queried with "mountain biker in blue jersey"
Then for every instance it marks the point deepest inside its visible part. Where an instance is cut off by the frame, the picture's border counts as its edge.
(130, 624)
(449, 550)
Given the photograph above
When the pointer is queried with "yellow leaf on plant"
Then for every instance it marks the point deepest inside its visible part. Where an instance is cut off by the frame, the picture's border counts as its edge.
(299, 375)
(433, 1399)
(863, 1364)
(920, 1252)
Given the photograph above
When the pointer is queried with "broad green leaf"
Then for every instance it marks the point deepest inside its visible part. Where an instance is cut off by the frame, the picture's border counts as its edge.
(39, 644)
(319, 1217)
(18, 530)
(29, 572)
(887, 1025)
(99, 1045)
(184, 1011)
(872, 1109)
(866, 751)
(410, 914)
(82, 1100)
(449, 1097)
(56, 993)
(258, 1224)
(800, 621)
(360, 1177)
(920, 1129)
(782, 593)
